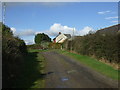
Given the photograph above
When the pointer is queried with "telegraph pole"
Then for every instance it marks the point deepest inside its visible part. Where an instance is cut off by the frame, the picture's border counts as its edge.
(73, 31)
(72, 40)
(4, 10)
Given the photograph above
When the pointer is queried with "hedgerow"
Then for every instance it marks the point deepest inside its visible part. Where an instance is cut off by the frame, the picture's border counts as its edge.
(13, 51)
(101, 45)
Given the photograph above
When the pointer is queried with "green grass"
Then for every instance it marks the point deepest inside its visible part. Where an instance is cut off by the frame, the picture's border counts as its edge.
(94, 64)
(36, 50)
(31, 77)
(39, 83)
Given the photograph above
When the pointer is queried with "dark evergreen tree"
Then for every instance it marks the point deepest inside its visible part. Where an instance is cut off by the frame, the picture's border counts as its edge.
(41, 37)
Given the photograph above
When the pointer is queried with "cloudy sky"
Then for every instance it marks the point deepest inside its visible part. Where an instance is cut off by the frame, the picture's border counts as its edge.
(28, 19)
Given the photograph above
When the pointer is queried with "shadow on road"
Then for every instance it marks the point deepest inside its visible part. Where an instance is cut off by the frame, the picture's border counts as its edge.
(31, 71)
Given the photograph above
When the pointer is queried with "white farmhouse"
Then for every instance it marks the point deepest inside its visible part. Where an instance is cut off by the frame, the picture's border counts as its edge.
(60, 38)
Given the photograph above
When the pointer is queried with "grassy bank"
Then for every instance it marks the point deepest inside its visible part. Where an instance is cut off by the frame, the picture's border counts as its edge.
(32, 73)
(94, 64)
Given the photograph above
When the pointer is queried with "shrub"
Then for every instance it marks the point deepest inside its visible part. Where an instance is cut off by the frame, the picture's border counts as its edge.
(54, 45)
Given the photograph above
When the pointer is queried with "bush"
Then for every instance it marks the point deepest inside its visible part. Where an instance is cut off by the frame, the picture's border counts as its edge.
(34, 46)
(54, 45)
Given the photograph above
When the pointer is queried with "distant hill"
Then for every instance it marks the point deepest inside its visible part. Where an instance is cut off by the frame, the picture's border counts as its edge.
(110, 30)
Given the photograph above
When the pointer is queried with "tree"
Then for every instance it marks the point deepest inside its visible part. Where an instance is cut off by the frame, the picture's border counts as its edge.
(41, 37)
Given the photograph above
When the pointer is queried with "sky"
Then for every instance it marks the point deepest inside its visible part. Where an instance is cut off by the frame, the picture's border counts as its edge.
(28, 19)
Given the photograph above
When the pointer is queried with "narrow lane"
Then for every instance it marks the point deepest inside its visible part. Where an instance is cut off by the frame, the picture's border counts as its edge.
(64, 72)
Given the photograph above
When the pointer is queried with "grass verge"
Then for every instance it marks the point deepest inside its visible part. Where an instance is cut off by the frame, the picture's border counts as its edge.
(94, 64)
(31, 77)
(37, 50)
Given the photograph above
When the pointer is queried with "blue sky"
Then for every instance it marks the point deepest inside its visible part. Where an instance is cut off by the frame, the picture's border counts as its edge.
(28, 19)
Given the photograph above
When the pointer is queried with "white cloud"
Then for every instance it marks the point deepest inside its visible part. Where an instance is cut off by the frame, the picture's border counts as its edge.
(114, 21)
(13, 29)
(112, 17)
(28, 32)
(103, 12)
(56, 28)
(85, 31)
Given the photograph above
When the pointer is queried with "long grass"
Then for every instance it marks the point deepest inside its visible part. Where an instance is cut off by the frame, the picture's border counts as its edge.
(101, 67)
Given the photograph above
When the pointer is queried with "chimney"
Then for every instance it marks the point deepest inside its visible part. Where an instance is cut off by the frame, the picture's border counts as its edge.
(59, 32)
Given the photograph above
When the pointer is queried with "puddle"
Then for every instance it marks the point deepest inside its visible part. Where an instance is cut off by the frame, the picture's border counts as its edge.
(45, 74)
(50, 72)
(64, 79)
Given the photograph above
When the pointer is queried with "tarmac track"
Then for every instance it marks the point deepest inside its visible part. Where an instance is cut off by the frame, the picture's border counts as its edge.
(65, 72)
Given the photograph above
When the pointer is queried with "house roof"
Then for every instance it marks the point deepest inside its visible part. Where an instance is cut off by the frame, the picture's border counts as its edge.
(68, 35)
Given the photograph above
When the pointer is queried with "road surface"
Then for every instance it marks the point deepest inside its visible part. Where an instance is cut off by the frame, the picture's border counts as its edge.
(65, 72)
